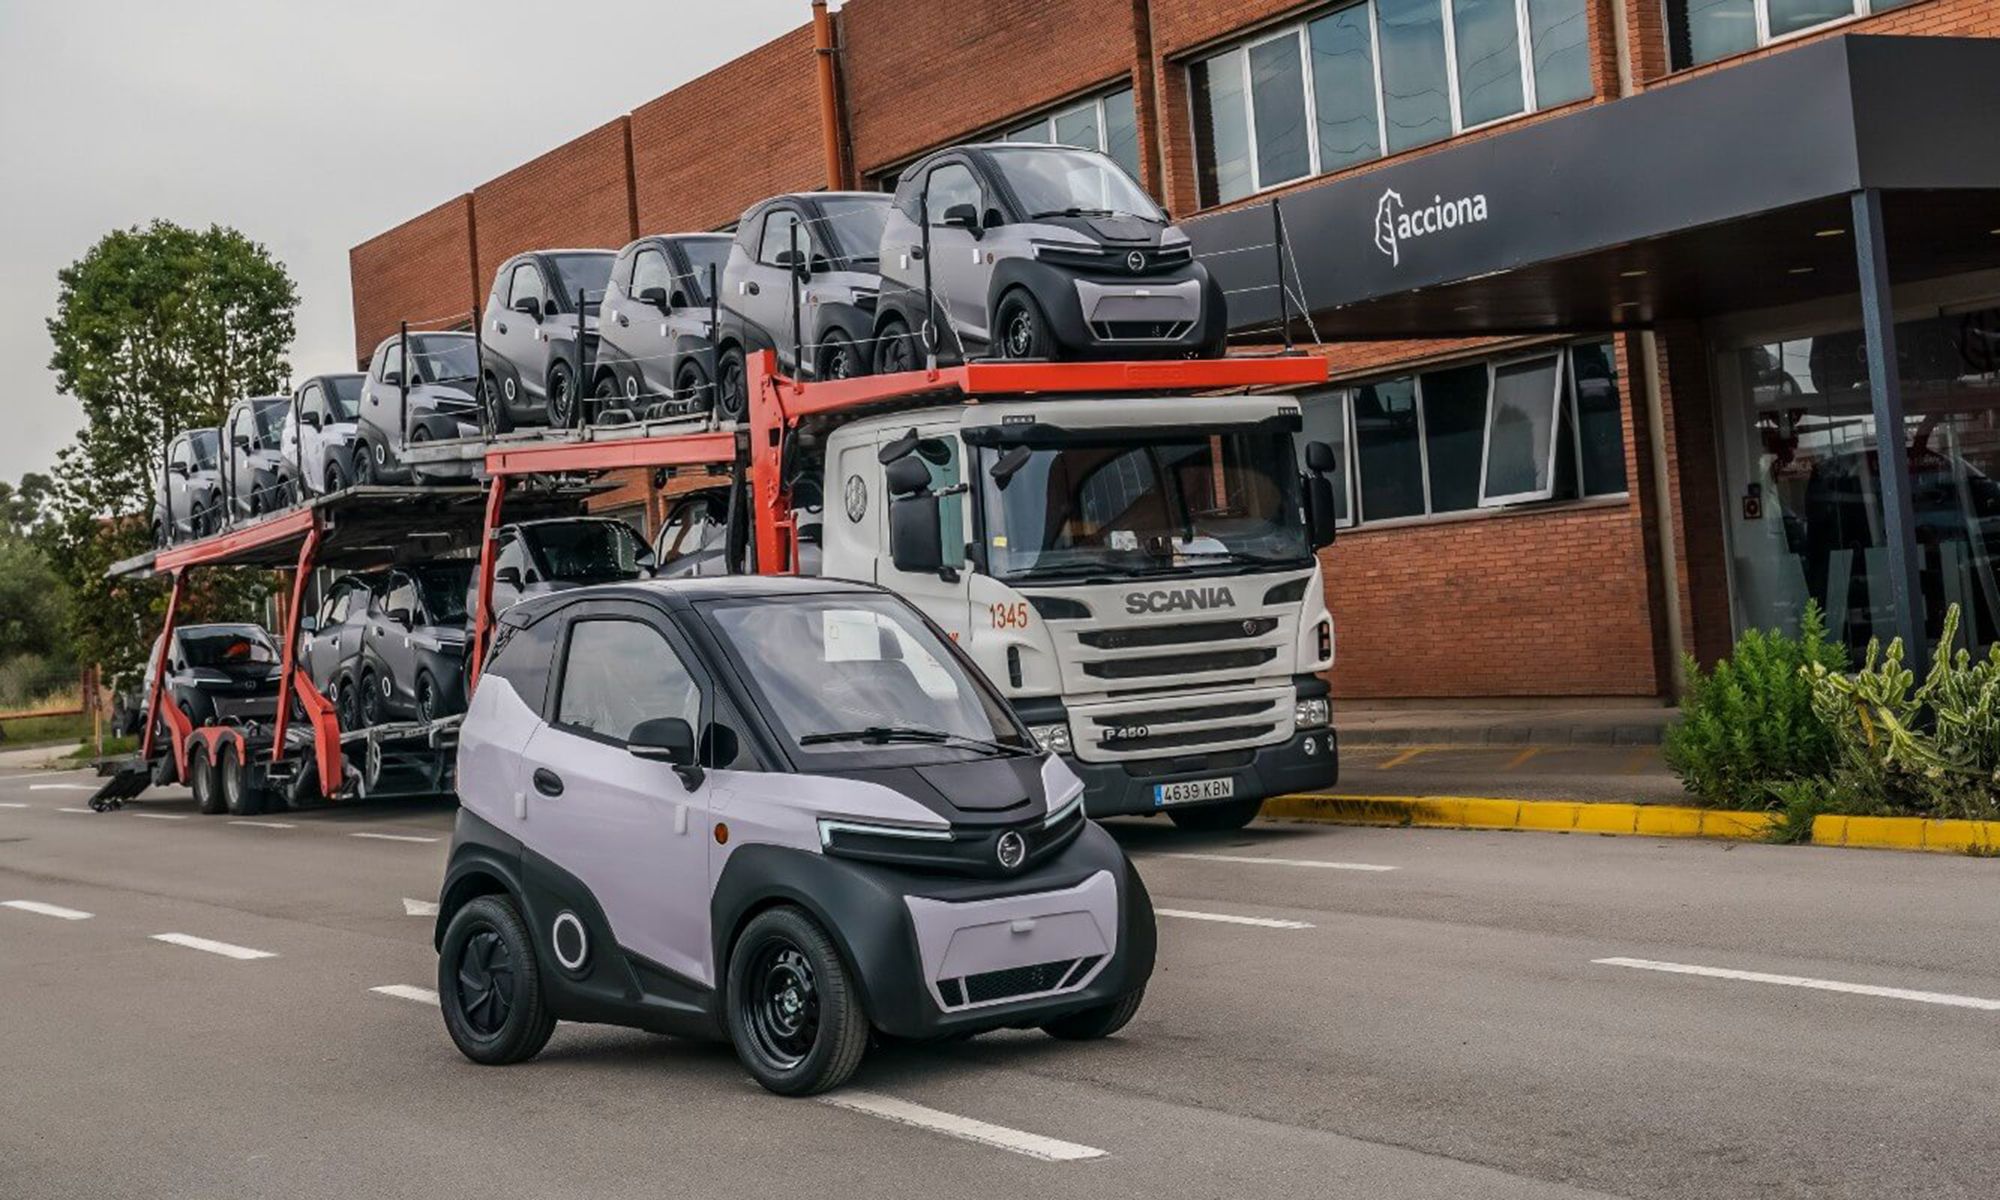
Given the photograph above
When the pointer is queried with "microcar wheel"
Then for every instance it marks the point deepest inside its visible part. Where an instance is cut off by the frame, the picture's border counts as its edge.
(241, 799)
(370, 701)
(201, 781)
(893, 351)
(606, 396)
(562, 397)
(1024, 331)
(490, 986)
(1216, 818)
(691, 385)
(838, 358)
(336, 479)
(428, 704)
(732, 393)
(159, 536)
(364, 465)
(496, 408)
(345, 710)
(793, 1012)
(1099, 1022)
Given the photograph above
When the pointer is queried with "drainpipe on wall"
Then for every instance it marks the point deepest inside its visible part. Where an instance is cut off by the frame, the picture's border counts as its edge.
(1663, 510)
(829, 96)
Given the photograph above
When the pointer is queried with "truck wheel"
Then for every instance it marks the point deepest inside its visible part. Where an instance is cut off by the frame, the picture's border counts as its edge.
(794, 1016)
(490, 986)
(241, 799)
(1216, 818)
(732, 390)
(1099, 1022)
(201, 781)
(1024, 331)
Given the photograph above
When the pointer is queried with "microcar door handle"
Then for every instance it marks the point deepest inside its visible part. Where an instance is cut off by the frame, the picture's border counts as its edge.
(547, 782)
(916, 254)
(750, 286)
(500, 327)
(624, 320)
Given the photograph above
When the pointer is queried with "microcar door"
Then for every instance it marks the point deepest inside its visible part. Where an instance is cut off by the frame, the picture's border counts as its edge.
(767, 287)
(642, 324)
(305, 437)
(958, 270)
(629, 828)
(517, 336)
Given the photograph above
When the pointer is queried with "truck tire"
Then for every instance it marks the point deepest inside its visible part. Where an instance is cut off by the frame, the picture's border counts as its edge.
(1099, 1022)
(238, 795)
(794, 1016)
(201, 781)
(490, 986)
(1216, 818)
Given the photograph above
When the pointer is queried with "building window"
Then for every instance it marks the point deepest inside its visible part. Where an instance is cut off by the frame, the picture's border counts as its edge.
(1106, 123)
(1377, 77)
(1546, 426)
(1701, 31)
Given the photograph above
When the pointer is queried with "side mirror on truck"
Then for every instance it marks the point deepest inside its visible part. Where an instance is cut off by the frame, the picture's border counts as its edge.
(915, 543)
(1322, 515)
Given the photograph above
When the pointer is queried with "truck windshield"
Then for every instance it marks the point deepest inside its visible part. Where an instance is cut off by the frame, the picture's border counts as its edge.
(585, 551)
(864, 678)
(1129, 505)
(1054, 181)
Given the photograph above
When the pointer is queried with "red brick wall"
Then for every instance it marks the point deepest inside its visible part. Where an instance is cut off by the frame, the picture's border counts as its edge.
(712, 147)
(919, 75)
(578, 194)
(421, 269)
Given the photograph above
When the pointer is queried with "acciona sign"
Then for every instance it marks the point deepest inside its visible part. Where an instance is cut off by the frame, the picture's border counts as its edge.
(1396, 223)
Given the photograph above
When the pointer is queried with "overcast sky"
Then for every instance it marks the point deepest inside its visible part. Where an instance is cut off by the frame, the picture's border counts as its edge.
(308, 126)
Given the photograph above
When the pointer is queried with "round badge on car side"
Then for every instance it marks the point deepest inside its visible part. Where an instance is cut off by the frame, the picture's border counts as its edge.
(1011, 850)
(568, 940)
(1136, 261)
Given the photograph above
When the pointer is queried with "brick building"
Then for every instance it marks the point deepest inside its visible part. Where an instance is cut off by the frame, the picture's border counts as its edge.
(1606, 287)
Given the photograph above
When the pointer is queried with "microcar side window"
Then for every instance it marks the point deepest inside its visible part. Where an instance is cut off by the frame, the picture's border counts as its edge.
(618, 673)
(778, 236)
(526, 284)
(951, 185)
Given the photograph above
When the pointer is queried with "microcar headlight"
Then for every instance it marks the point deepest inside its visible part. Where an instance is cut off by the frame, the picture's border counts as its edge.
(1053, 739)
(832, 832)
(1064, 811)
(1310, 714)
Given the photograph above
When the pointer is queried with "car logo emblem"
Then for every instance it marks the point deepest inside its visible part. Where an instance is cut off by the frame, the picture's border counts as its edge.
(1136, 261)
(1011, 850)
(856, 495)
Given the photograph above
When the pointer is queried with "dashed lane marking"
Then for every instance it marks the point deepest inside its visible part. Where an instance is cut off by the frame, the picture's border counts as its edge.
(40, 775)
(403, 991)
(263, 824)
(1285, 862)
(12, 804)
(1402, 758)
(393, 837)
(1802, 981)
(162, 816)
(47, 910)
(902, 1112)
(419, 908)
(1231, 919)
(62, 787)
(90, 811)
(225, 949)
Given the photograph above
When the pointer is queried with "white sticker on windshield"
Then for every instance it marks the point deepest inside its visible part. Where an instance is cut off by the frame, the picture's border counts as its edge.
(850, 635)
(1123, 539)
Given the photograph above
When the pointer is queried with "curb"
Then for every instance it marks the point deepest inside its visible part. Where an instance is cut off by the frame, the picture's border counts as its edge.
(1909, 833)
(1556, 816)
(1631, 735)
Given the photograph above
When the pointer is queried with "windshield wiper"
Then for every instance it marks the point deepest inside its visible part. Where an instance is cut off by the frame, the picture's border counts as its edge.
(1072, 211)
(883, 734)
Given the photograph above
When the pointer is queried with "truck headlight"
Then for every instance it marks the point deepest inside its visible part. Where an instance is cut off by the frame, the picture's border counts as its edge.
(1310, 714)
(1053, 739)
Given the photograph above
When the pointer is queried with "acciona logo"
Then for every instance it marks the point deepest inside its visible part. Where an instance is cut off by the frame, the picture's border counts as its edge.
(1396, 223)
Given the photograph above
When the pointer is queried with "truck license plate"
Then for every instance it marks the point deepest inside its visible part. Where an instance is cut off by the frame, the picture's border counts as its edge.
(1192, 790)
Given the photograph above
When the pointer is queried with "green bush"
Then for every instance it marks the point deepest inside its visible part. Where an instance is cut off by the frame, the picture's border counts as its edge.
(1931, 752)
(1750, 725)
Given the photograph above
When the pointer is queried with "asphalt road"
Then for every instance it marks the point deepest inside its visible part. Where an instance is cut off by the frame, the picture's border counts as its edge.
(1629, 773)
(1441, 1029)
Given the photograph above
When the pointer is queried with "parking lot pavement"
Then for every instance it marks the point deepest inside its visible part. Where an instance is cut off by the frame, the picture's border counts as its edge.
(1337, 1013)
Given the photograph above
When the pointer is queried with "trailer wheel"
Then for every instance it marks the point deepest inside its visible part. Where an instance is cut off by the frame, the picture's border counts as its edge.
(239, 796)
(1099, 1022)
(490, 986)
(794, 1014)
(1216, 818)
(201, 781)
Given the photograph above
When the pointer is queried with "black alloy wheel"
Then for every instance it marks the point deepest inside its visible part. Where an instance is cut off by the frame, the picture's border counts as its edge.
(335, 479)
(370, 701)
(496, 406)
(489, 984)
(562, 397)
(427, 698)
(732, 393)
(485, 983)
(691, 386)
(893, 351)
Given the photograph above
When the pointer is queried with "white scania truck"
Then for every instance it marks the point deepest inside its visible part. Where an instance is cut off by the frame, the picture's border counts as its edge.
(1137, 573)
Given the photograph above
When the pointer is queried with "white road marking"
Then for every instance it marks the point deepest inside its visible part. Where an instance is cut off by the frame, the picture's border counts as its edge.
(261, 824)
(393, 837)
(13, 804)
(1034, 1145)
(91, 811)
(1229, 919)
(62, 787)
(1801, 981)
(419, 908)
(200, 943)
(403, 991)
(1285, 862)
(39, 775)
(47, 910)
(162, 816)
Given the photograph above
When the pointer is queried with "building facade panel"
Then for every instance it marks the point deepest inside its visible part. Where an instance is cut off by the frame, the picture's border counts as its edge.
(421, 269)
(578, 194)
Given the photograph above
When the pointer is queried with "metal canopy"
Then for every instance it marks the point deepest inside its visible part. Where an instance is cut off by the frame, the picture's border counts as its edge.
(1701, 196)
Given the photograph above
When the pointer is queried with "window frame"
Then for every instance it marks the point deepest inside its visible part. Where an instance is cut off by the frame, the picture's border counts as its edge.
(1761, 9)
(603, 613)
(639, 257)
(1558, 412)
(1299, 28)
(890, 178)
(513, 280)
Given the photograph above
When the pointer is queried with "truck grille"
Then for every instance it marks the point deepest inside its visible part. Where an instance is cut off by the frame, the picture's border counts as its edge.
(1138, 636)
(1193, 712)
(1180, 664)
(1192, 737)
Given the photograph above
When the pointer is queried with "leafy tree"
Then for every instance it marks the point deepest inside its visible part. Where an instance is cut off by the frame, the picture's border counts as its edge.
(156, 331)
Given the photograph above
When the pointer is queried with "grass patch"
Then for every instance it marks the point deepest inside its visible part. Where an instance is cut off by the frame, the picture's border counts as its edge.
(112, 746)
(43, 731)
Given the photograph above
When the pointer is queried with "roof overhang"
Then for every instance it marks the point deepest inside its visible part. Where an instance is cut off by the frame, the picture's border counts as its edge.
(1724, 192)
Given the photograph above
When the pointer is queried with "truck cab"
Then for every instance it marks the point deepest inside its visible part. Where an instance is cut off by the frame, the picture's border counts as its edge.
(1138, 576)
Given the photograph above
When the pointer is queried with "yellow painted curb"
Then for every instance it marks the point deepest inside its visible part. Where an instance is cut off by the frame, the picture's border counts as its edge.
(1909, 833)
(1559, 816)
